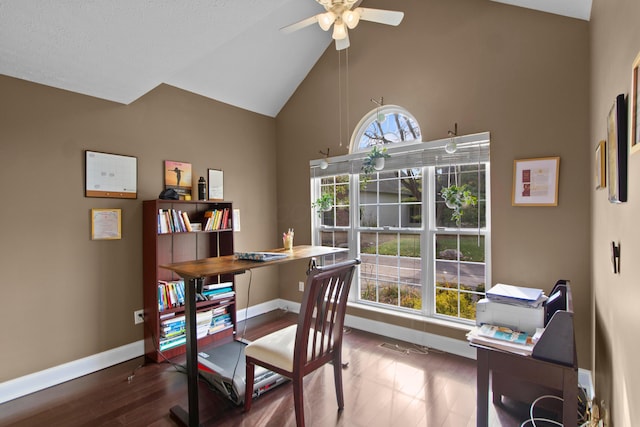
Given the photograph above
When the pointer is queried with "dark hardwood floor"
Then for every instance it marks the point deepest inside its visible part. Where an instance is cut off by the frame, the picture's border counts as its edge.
(384, 385)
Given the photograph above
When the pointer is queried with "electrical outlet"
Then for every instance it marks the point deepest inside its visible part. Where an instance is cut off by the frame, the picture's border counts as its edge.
(138, 317)
(301, 286)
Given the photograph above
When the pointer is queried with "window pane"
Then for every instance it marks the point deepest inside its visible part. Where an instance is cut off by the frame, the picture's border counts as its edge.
(368, 267)
(472, 177)
(458, 247)
(459, 274)
(447, 302)
(411, 216)
(380, 196)
(391, 269)
(388, 216)
(335, 239)
(337, 188)
(369, 216)
(387, 125)
(456, 304)
(411, 185)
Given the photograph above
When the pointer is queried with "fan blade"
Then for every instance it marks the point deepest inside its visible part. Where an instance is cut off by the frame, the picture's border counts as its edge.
(388, 17)
(342, 43)
(299, 25)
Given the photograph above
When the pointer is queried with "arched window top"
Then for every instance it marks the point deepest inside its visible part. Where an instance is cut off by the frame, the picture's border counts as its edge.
(388, 124)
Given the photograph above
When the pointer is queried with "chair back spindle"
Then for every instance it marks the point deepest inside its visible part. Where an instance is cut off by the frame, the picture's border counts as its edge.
(324, 304)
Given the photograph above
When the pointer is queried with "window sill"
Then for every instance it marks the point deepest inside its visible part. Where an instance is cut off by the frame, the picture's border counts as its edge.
(466, 327)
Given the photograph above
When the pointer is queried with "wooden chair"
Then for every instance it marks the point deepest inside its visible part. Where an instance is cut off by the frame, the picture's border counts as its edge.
(300, 349)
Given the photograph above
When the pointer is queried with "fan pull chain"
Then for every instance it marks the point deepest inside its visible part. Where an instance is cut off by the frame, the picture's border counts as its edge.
(346, 54)
(339, 98)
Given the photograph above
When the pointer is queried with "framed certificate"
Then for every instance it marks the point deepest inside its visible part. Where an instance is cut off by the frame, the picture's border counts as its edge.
(106, 224)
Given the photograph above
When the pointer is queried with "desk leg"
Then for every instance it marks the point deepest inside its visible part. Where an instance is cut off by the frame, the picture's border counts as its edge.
(570, 397)
(482, 388)
(190, 418)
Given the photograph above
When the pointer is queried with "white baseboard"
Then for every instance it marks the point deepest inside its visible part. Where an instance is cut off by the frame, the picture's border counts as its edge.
(257, 310)
(437, 342)
(37, 381)
(31, 383)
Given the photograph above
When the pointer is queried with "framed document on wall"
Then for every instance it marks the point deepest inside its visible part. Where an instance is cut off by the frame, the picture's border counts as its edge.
(617, 151)
(216, 184)
(634, 97)
(106, 224)
(535, 182)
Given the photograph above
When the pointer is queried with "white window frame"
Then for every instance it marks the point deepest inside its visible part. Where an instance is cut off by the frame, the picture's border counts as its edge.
(350, 164)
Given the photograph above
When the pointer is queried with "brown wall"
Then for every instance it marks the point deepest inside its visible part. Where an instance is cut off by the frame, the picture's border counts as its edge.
(64, 296)
(615, 42)
(517, 73)
(520, 74)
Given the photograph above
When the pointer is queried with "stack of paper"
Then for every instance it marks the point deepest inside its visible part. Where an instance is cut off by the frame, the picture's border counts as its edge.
(504, 339)
(203, 319)
(516, 295)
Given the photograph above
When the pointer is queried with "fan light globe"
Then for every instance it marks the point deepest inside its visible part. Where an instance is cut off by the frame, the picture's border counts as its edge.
(351, 18)
(451, 147)
(339, 31)
(324, 164)
(325, 20)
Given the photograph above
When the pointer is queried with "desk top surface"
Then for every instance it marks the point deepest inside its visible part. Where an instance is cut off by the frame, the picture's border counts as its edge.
(230, 264)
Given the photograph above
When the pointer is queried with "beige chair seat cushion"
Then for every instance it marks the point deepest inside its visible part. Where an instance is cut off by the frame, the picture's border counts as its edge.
(275, 349)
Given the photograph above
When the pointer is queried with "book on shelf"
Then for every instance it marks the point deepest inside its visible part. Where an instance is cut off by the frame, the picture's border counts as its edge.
(169, 315)
(187, 223)
(220, 322)
(217, 285)
(173, 221)
(210, 292)
(172, 342)
(170, 294)
(203, 320)
(505, 339)
(216, 219)
(221, 296)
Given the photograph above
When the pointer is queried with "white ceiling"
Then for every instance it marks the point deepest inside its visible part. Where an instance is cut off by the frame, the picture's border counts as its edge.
(580, 9)
(227, 50)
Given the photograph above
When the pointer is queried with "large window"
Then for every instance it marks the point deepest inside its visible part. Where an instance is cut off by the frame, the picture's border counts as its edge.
(417, 256)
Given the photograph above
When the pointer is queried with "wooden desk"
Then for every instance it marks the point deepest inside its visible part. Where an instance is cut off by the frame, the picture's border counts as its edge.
(552, 366)
(193, 273)
(513, 375)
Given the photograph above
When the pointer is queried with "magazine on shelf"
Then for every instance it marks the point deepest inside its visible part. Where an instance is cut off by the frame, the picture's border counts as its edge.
(504, 339)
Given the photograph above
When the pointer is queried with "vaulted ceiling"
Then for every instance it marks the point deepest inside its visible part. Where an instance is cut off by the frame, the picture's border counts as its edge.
(228, 50)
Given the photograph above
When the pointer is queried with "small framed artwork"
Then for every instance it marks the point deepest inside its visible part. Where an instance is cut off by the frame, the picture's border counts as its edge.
(177, 175)
(106, 224)
(216, 184)
(634, 127)
(617, 151)
(535, 182)
(600, 162)
(110, 175)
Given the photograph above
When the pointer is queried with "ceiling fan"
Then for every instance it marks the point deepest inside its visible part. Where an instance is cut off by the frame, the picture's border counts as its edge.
(342, 15)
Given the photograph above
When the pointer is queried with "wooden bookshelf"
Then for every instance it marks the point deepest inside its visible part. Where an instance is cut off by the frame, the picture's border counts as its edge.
(171, 247)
